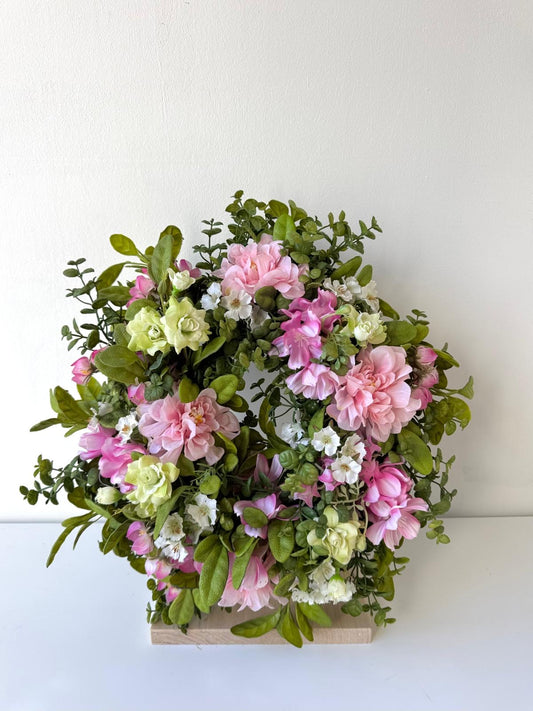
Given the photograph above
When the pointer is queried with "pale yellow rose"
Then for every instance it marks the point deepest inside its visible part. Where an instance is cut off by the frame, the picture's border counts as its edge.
(146, 331)
(184, 326)
(153, 483)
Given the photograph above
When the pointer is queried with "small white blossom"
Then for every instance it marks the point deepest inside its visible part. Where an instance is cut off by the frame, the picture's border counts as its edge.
(354, 447)
(170, 539)
(345, 470)
(258, 317)
(107, 495)
(211, 300)
(126, 425)
(324, 586)
(346, 290)
(293, 433)
(338, 590)
(238, 305)
(369, 293)
(203, 512)
(326, 440)
(323, 572)
(181, 280)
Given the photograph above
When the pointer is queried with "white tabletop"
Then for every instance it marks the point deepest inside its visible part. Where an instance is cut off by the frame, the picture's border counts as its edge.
(74, 637)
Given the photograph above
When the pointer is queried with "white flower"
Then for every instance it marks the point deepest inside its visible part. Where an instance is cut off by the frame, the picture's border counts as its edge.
(369, 328)
(175, 550)
(354, 447)
(238, 305)
(326, 440)
(347, 289)
(181, 280)
(258, 317)
(345, 470)
(370, 294)
(293, 434)
(203, 513)
(322, 573)
(211, 300)
(107, 495)
(324, 586)
(338, 590)
(172, 530)
(126, 425)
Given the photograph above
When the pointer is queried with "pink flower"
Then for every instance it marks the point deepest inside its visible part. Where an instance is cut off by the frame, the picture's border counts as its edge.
(136, 394)
(185, 266)
(158, 569)
(256, 590)
(272, 471)
(268, 505)
(326, 477)
(116, 456)
(301, 340)
(308, 494)
(171, 593)
(374, 393)
(92, 440)
(425, 375)
(389, 505)
(255, 265)
(141, 289)
(142, 543)
(323, 307)
(173, 427)
(82, 370)
(315, 382)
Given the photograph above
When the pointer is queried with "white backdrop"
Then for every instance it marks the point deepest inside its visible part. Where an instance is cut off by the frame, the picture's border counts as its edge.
(125, 116)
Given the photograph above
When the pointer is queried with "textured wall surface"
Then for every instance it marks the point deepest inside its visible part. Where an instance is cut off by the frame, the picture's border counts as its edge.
(127, 116)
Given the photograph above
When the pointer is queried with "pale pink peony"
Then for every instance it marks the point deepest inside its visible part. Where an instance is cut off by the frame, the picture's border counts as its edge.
(269, 505)
(374, 394)
(82, 370)
(142, 543)
(389, 505)
(141, 289)
(116, 456)
(173, 427)
(255, 265)
(256, 590)
(92, 440)
(300, 341)
(323, 307)
(315, 382)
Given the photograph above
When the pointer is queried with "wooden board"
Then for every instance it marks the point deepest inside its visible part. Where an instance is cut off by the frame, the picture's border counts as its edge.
(215, 629)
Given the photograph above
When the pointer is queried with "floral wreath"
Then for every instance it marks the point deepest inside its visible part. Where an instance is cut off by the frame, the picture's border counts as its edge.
(301, 500)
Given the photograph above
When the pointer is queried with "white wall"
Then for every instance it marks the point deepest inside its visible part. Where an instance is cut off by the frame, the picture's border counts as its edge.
(127, 116)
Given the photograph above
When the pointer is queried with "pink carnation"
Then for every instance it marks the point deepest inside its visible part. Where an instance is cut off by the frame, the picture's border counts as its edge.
(255, 265)
(389, 505)
(300, 341)
(173, 427)
(374, 394)
(256, 590)
(315, 382)
(269, 505)
(116, 456)
(92, 440)
(142, 543)
(141, 289)
(323, 307)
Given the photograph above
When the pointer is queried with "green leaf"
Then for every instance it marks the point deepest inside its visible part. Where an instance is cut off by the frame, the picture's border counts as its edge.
(210, 485)
(400, 332)
(164, 510)
(161, 258)
(387, 310)
(184, 580)
(240, 565)
(303, 624)
(258, 626)
(199, 601)
(254, 517)
(316, 423)
(123, 245)
(137, 305)
(365, 275)
(72, 525)
(214, 574)
(185, 466)
(283, 587)
(288, 629)
(116, 536)
(447, 360)
(44, 424)
(353, 607)
(109, 276)
(281, 539)
(177, 239)
(187, 390)
(181, 609)
(278, 208)
(211, 348)
(70, 408)
(459, 410)
(225, 387)
(284, 228)
(416, 452)
(315, 613)
(204, 548)
(347, 269)
(118, 295)
(120, 364)
(468, 389)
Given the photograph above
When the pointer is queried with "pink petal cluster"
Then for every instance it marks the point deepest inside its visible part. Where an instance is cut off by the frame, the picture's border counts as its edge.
(92, 440)
(256, 590)
(185, 266)
(326, 477)
(300, 341)
(136, 394)
(116, 456)
(173, 427)
(83, 368)
(374, 394)
(269, 505)
(158, 569)
(308, 494)
(389, 505)
(141, 289)
(323, 307)
(425, 375)
(272, 471)
(142, 543)
(315, 382)
(255, 265)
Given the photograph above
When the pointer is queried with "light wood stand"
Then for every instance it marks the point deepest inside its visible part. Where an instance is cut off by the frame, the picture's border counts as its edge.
(215, 629)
